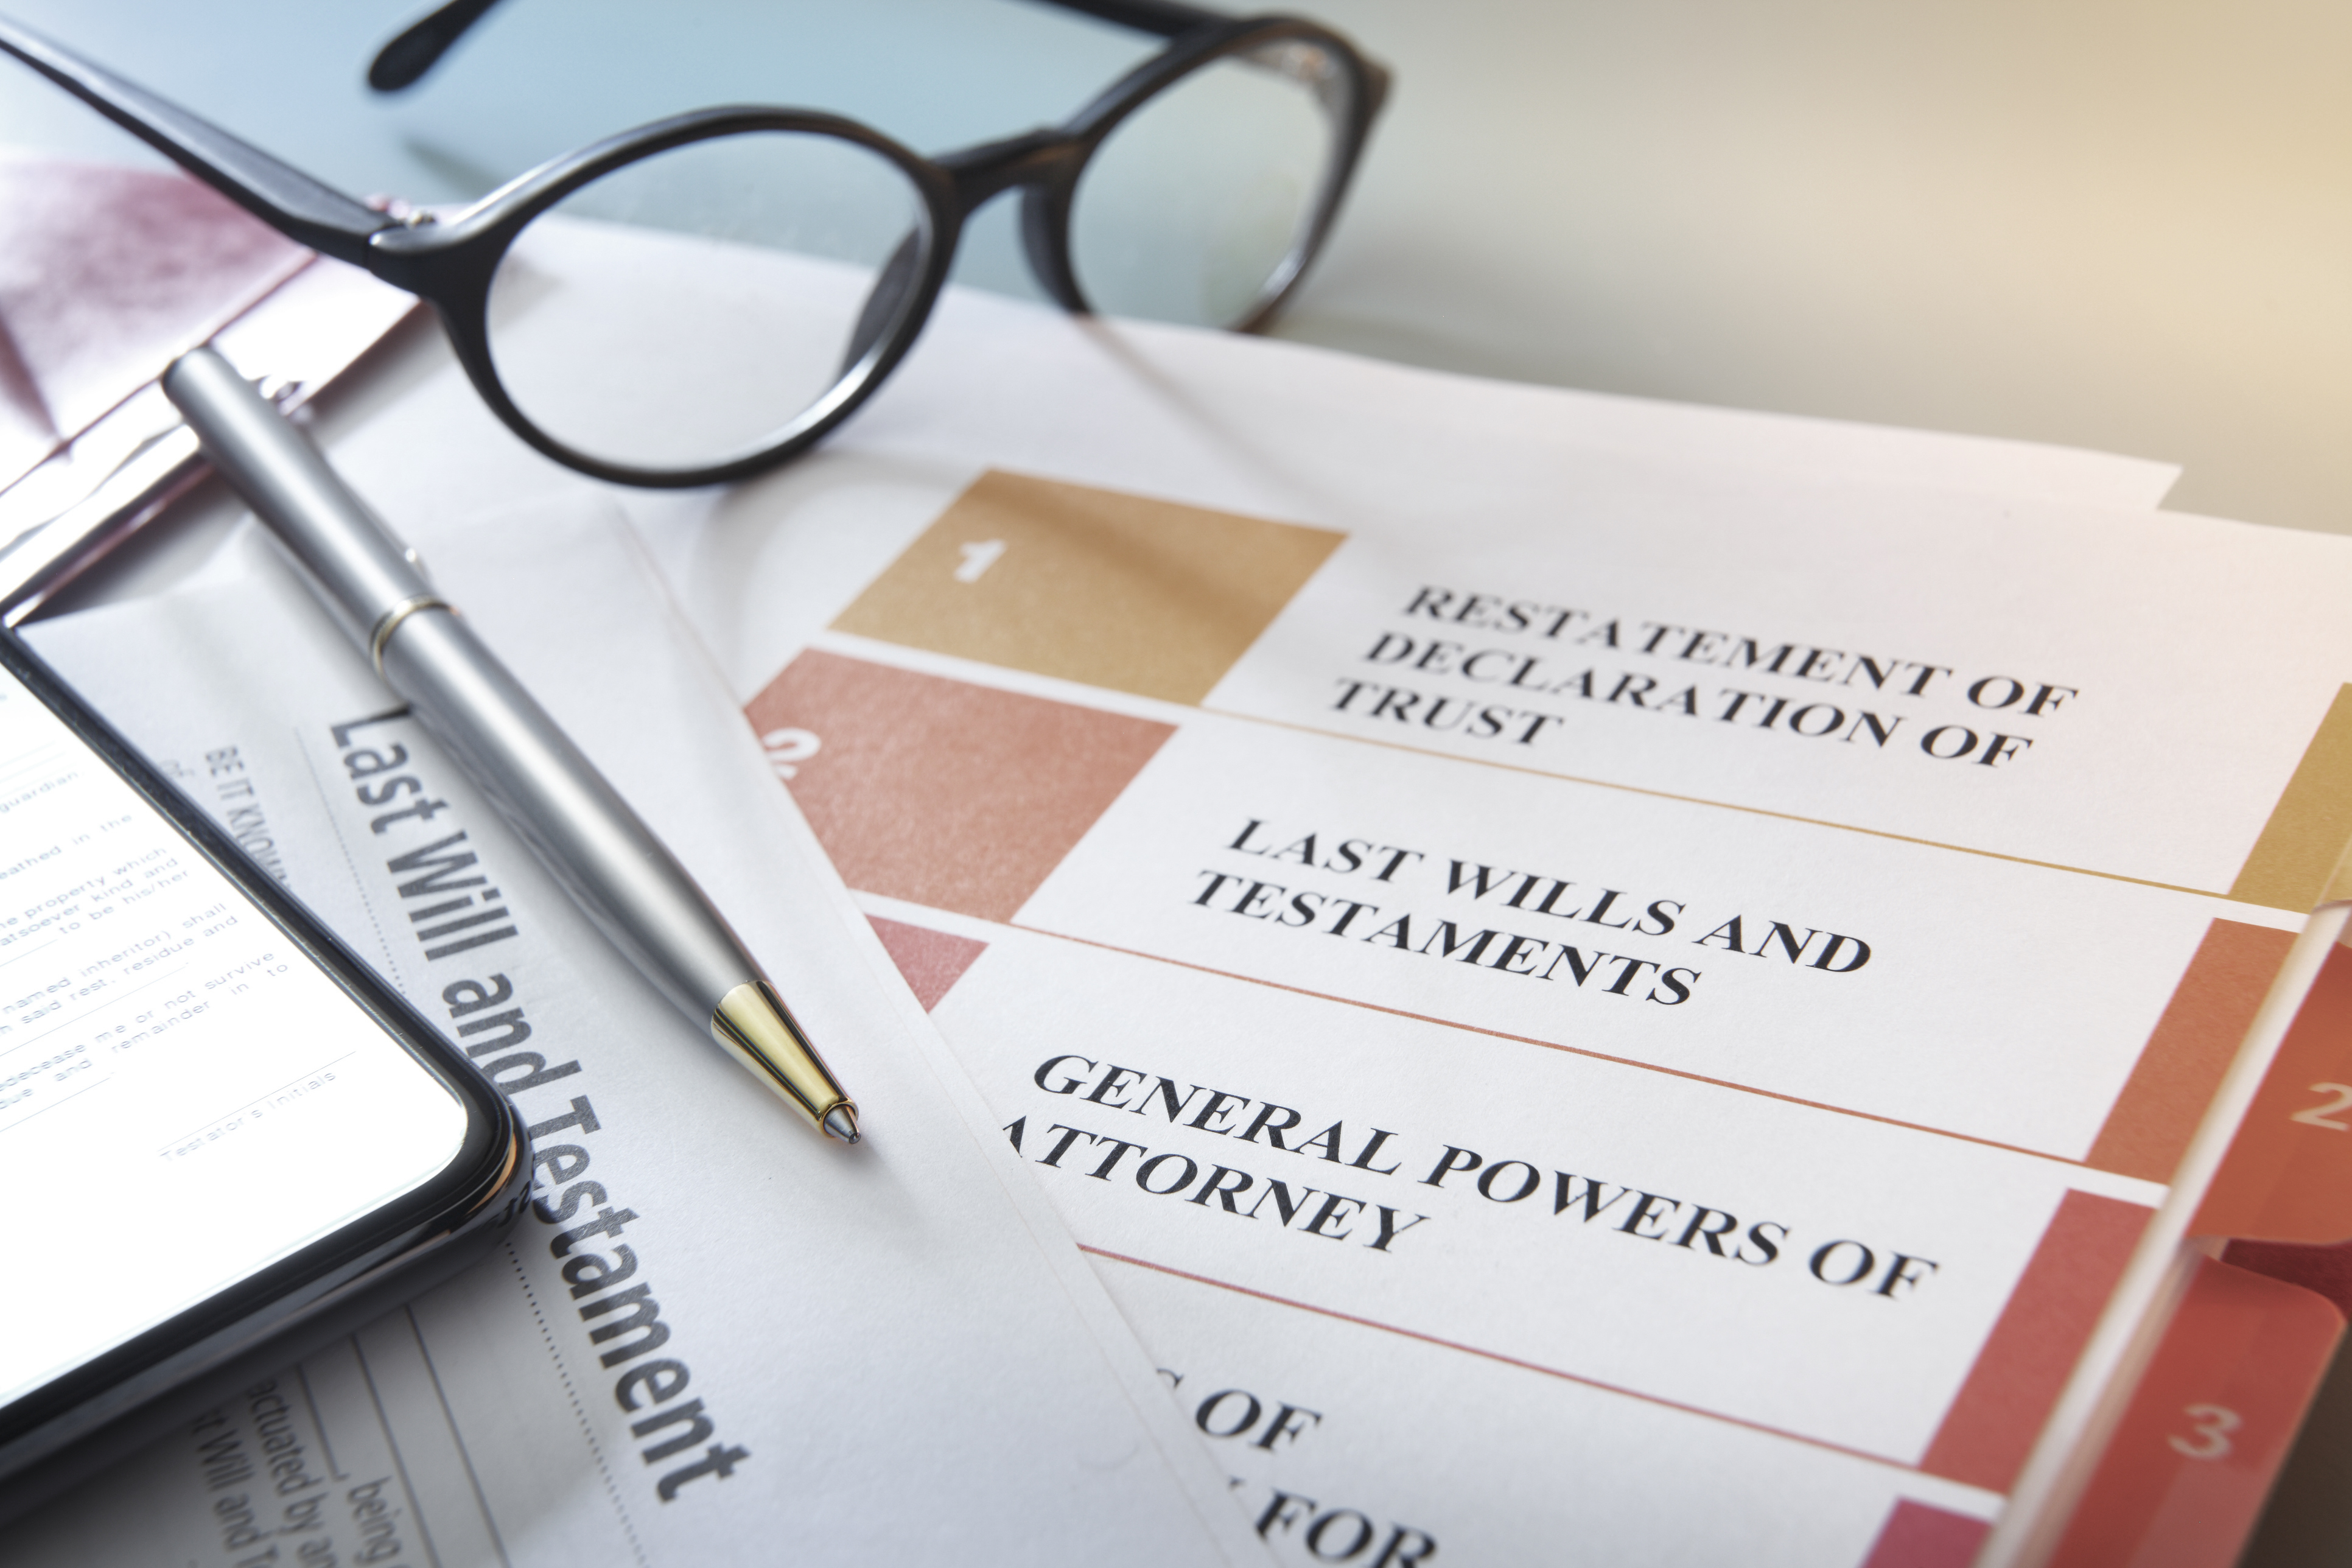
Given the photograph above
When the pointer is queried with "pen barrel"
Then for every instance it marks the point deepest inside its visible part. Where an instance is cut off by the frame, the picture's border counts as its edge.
(607, 860)
(573, 820)
(575, 823)
(361, 571)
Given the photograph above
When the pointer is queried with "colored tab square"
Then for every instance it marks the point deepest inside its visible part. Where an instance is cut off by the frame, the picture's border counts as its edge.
(2197, 1449)
(958, 796)
(1090, 585)
(2288, 1173)
(2032, 1350)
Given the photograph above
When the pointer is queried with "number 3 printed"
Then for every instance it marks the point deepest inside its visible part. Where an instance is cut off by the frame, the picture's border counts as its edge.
(2213, 1425)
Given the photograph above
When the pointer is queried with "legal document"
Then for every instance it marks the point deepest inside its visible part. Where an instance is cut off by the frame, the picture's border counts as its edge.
(716, 1335)
(1802, 1115)
(1492, 1134)
(1605, 948)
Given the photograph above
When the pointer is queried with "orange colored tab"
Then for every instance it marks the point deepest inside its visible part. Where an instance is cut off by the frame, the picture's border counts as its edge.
(2288, 1173)
(2193, 1043)
(2193, 1457)
(2027, 1358)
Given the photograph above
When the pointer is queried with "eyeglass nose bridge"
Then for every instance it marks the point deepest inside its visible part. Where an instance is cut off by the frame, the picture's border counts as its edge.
(983, 173)
(1043, 165)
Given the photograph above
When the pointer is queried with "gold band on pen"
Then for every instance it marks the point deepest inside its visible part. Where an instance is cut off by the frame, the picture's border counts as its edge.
(756, 1027)
(389, 622)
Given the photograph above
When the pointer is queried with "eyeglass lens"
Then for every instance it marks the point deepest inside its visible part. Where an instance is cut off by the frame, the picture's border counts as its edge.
(1199, 206)
(698, 305)
(636, 319)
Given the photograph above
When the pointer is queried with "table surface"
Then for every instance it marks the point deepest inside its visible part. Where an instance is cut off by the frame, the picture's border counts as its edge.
(2105, 223)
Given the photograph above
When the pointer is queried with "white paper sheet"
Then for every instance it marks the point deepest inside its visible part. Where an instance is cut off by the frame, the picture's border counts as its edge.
(1479, 1370)
(897, 1352)
(1921, 1131)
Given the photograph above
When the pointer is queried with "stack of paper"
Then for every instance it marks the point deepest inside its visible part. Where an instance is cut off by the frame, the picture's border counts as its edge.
(1602, 953)
(1599, 982)
(105, 274)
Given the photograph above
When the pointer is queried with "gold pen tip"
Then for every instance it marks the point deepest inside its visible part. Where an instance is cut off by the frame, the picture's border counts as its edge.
(841, 1122)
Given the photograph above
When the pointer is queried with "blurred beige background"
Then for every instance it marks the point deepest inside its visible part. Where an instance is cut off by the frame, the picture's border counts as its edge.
(2109, 223)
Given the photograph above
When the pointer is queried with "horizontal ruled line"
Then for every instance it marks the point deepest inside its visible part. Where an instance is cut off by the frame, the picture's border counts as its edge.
(1305, 729)
(1581, 1051)
(1497, 1356)
(1058, 689)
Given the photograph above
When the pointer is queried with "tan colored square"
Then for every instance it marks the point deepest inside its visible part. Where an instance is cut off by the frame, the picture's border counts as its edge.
(2306, 834)
(1090, 585)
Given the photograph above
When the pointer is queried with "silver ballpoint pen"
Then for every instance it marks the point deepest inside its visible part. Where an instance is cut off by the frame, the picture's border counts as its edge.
(607, 859)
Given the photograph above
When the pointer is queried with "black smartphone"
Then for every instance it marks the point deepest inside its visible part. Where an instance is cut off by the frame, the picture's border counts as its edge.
(223, 1136)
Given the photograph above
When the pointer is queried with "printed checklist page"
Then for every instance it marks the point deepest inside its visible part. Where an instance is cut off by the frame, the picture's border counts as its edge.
(1486, 1131)
(1784, 1079)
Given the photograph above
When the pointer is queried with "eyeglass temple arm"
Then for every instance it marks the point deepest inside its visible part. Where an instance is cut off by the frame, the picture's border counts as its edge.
(1171, 19)
(1160, 18)
(419, 47)
(283, 197)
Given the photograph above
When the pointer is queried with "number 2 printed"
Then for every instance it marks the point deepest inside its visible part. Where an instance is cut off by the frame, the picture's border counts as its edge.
(787, 748)
(2324, 1113)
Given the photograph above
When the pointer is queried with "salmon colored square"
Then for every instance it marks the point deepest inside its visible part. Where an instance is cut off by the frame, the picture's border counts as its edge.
(2033, 1346)
(2288, 1173)
(931, 961)
(941, 793)
(1917, 1536)
(2149, 1129)
(2184, 1476)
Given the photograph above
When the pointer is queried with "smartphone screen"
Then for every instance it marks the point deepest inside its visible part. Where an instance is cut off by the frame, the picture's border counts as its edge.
(185, 1096)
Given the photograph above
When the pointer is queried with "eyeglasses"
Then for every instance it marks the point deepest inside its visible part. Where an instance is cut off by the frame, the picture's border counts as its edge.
(617, 307)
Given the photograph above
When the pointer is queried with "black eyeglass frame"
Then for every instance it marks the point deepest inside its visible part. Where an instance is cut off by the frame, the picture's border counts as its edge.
(450, 262)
